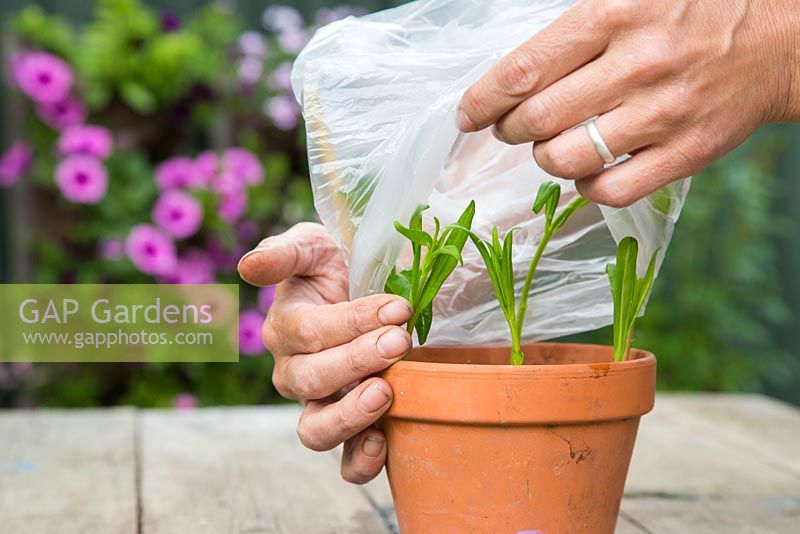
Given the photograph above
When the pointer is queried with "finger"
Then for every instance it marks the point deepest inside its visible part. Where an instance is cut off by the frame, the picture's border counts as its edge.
(295, 327)
(585, 93)
(364, 456)
(323, 426)
(641, 175)
(306, 249)
(573, 156)
(317, 376)
(572, 40)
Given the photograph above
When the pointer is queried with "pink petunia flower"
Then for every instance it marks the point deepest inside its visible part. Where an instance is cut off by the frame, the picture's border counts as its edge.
(232, 205)
(82, 179)
(284, 112)
(249, 70)
(247, 231)
(177, 173)
(45, 78)
(252, 44)
(195, 266)
(59, 115)
(184, 401)
(178, 213)
(243, 164)
(15, 163)
(112, 249)
(250, 343)
(224, 257)
(151, 250)
(292, 40)
(278, 19)
(281, 77)
(206, 166)
(86, 139)
(266, 296)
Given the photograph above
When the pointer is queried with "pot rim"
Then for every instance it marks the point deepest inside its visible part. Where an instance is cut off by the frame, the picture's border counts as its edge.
(640, 359)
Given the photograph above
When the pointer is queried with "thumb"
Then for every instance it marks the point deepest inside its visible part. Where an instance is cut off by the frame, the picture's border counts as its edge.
(306, 249)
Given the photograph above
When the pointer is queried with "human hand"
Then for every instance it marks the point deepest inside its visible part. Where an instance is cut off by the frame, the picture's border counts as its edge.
(326, 347)
(675, 83)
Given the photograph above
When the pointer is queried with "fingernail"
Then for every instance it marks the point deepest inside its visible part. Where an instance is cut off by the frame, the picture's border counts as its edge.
(373, 447)
(394, 312)
(257, 250)
(464, 123)
(373, 398)
(393, 343)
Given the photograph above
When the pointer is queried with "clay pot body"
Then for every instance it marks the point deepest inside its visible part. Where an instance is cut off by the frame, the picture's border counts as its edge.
(477, 446)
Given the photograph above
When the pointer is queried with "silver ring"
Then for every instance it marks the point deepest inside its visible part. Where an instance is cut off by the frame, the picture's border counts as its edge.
(598, 142)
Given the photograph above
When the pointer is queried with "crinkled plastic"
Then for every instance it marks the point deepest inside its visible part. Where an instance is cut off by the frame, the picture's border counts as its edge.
(379, 96)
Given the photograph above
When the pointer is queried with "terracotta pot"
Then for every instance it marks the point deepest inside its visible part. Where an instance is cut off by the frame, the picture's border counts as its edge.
(477, 446)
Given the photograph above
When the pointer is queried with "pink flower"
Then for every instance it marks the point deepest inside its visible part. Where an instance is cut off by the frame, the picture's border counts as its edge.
(112, 249)
(44, 77)
(232, 205)
(206, 165)
(184, 401)
(179, 213)
(151, 250)
(82, 179)
(292, 40)
(59, 115)
(284, 112)
(281, 18)
(249, 70)
(177, 173)
(281, 77)
(252, 44)
(250, 343)
(14, 163)
(194, 267)
(86, 139)
(243, 164)
(266, 296)
(326, 15)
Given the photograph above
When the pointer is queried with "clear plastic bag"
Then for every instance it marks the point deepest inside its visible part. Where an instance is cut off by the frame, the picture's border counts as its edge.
(379, 96)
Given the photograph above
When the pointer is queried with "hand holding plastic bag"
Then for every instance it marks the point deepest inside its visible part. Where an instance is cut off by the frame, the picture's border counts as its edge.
(379, 96)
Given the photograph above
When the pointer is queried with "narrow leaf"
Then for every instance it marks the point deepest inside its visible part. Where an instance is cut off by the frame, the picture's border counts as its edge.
(418, 237)
(424, 324)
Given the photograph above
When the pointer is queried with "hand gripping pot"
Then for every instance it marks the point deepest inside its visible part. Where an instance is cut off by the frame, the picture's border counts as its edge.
(379, 95)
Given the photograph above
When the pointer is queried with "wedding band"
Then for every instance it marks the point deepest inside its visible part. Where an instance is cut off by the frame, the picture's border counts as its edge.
(598, 142)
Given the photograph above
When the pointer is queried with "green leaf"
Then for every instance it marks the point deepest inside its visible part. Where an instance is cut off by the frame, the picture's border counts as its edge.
(571, 208)
(418, 237)
(448, 250)
(399, 284)
(424, 324)
(547, 197)
(416, 217)
(138, 97)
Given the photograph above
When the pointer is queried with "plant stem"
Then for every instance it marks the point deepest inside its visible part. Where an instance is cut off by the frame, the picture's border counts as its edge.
(522, 307)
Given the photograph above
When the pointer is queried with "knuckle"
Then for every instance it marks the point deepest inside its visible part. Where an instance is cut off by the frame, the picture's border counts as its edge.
(615, 13)
(306, 382)
(345, 422)
(269, 333)
(308, 438)
(361, 315)
(280, 383)
(653, 58)
(517, 74)
(540, 119)
(307, 332)
(357, 358)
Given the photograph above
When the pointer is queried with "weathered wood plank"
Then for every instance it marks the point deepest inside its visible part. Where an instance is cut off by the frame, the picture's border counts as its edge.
(65, 472)
(714, 516)
(242, 471)
(716, 447)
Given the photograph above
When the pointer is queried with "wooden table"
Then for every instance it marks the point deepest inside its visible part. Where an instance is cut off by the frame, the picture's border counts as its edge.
(703, 464)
